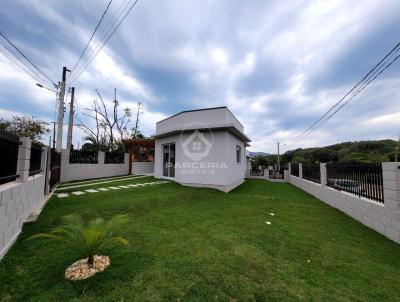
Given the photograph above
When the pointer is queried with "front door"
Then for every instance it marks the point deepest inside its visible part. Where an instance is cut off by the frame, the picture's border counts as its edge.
(169, 160)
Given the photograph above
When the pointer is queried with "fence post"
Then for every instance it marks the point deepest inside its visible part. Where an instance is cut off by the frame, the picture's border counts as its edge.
(286, 175)
(101, 157)
(44, 166)
(290, 169)
(391, 195)
(300, 170)
(24, 155)
(322, 170)
(43, 160)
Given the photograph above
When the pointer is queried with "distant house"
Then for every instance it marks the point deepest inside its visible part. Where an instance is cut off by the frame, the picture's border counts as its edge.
(202, 148)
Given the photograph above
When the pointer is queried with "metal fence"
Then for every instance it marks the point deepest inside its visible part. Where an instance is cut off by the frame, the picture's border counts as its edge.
(55, 168)
(294, 170)
(114, 157)
(256, 172)
(363, 180)
(83, 157)
(281, 172)
(36, 159)
(9, 145)
(312, 173)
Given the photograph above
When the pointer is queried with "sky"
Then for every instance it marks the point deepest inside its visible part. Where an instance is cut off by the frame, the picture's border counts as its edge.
(277, 65)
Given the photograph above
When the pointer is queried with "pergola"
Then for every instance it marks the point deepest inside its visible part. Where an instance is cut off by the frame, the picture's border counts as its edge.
(140, 149)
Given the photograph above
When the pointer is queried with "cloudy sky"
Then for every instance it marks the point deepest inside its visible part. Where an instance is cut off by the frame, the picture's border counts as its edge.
(277, 65)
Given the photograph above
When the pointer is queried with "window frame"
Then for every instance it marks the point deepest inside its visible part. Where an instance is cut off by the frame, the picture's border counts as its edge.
(238, 154)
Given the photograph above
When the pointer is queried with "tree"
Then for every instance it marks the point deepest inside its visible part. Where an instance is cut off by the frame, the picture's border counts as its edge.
(111, 126)
(25, 126)
(4, 124)
(357, 152)
(88, 238)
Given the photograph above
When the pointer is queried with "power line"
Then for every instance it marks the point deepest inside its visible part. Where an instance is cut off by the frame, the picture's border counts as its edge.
(4, 52)
(371, 72)
(361, 85)
(350, 99)
(91, 37)
(105, 33)
(106, 40)
(28, 69)
(362, 88)
(26, 58)
(41, 21)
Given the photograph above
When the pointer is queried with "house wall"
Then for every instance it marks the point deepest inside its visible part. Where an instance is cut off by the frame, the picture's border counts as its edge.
(217, 170)
(192, 119)
(237, 171)
(71, 172)
(382, 217)
(142, 167)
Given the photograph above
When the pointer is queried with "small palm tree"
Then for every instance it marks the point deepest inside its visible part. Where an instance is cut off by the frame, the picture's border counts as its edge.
(88, 238)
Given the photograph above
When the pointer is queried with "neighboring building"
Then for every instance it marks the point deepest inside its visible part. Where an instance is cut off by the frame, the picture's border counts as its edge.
(204, 148)
(249, 160)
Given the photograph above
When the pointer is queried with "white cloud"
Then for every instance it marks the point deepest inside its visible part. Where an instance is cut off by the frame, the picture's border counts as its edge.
(218, 47)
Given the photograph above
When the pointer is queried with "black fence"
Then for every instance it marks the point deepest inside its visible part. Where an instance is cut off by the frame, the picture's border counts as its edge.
(114, 157)
(55, 168)
(256, 172)
(83, 157)
(294, 170)
(9, 145)
(312, 173)
(363, 180)
(281, 172)
(36, 159)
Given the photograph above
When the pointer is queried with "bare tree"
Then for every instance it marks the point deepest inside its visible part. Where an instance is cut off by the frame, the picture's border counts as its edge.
(135, 130)
(112, 126)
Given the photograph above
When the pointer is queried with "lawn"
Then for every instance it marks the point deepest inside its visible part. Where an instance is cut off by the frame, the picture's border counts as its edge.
(196, 244)
(106, 183)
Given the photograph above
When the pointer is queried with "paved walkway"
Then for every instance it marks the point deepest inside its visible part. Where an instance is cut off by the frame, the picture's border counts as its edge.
(62, 195)
(86, 184)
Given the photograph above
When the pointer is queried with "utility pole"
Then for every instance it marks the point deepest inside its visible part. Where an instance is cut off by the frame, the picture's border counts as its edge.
(396, 152)
(71, 119)
(60, 120)
(54, 134)
(279, 161)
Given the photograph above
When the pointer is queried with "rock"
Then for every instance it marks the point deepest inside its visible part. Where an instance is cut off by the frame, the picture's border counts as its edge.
(80, 269)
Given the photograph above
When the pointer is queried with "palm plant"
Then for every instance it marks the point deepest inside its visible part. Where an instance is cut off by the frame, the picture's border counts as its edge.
(89, 238)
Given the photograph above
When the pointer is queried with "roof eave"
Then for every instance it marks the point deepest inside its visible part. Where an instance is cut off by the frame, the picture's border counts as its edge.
(231, 128)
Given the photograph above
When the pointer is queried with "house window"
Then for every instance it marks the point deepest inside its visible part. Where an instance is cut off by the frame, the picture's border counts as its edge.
(238, 154)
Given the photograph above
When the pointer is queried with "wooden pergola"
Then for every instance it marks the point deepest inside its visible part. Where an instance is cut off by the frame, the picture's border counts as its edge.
(135, 145)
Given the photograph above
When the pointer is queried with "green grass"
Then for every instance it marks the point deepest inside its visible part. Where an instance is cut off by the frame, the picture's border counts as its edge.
(120, 182)
(74, 182)
(204, 245)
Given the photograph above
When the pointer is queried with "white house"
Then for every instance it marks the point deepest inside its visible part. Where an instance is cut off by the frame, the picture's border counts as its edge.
(204, 148)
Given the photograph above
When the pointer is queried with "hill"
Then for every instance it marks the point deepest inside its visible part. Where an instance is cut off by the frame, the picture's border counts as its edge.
(350, 152)
(362, 152)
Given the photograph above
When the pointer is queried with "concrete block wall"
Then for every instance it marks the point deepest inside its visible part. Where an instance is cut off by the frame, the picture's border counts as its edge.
(71, 172)
(382, 217)
(18, 201)
(20, 198)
